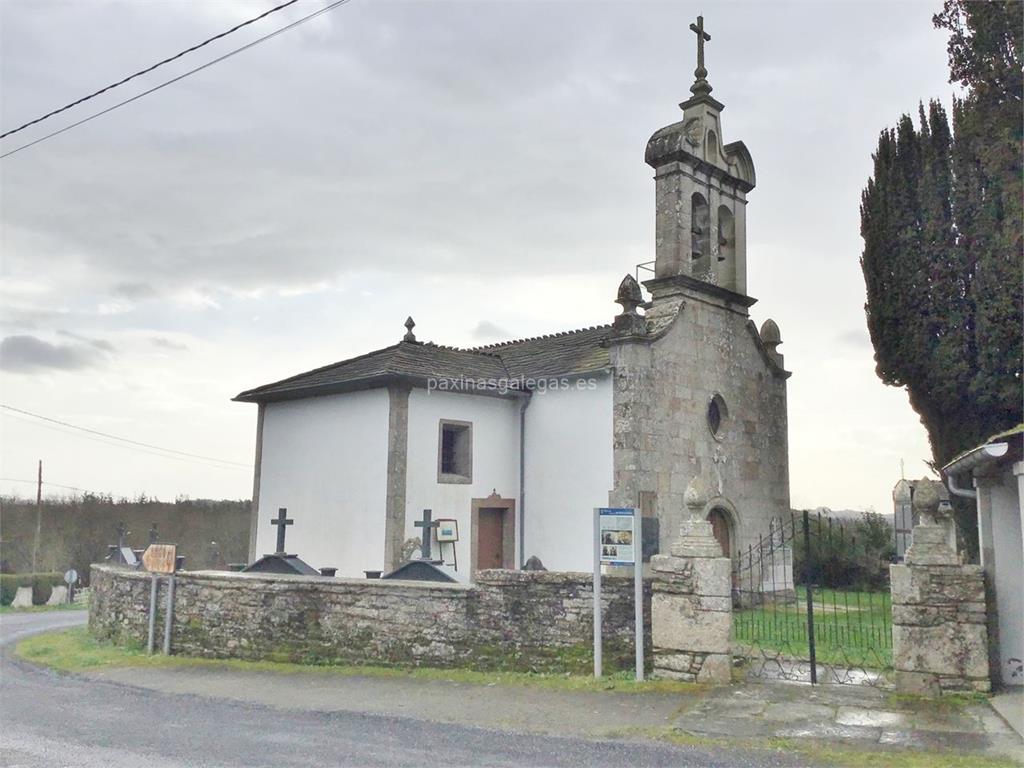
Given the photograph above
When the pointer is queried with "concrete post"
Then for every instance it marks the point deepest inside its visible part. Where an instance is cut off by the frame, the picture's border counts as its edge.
(691, 605)
(939, 637)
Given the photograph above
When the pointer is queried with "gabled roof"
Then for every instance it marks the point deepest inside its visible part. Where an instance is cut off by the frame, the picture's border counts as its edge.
(512, 363)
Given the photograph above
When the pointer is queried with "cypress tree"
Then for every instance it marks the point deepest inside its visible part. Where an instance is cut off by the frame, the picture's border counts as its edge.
(941, 220)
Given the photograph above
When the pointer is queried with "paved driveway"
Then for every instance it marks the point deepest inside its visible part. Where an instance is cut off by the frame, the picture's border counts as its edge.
(50, 719)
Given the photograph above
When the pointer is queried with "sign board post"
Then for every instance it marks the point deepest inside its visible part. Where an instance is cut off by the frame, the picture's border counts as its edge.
(158, 559)
(617, 541)
(154, 584)
(71, 578)
(638, 594)
(597, 592)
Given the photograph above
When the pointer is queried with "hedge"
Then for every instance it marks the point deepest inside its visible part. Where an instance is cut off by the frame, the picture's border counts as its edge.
(42, 585)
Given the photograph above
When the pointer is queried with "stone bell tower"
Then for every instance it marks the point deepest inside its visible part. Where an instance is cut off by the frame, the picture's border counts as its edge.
(700, 393)
(701, 193)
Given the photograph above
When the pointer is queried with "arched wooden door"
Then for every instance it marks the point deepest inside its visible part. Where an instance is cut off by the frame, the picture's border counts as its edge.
(720, 527)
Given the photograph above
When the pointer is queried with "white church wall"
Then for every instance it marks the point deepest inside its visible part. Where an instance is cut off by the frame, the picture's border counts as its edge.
(495, 439)
(325, 459)
(568, 472)
(1007, 575)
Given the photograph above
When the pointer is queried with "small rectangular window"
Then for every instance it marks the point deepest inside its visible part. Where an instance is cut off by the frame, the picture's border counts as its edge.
(455, 452)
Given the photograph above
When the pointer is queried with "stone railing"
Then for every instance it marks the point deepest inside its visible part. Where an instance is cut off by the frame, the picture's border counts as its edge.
(506, 620)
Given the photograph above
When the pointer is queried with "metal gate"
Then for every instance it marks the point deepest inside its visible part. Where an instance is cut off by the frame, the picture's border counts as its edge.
(811, 601)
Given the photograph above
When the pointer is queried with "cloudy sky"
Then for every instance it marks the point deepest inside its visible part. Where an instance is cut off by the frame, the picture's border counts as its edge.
(292, 205)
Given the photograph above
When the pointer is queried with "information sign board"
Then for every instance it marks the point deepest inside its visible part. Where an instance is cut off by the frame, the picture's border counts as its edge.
(616, 536)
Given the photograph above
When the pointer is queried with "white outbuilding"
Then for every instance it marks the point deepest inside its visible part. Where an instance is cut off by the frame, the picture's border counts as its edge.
(993, 475)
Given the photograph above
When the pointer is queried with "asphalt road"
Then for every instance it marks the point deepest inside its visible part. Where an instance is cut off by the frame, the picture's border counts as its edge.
(50, 719)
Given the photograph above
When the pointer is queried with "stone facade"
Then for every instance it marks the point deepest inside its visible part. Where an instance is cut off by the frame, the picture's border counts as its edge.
(664, 385)
(939, 635)
(517, 620)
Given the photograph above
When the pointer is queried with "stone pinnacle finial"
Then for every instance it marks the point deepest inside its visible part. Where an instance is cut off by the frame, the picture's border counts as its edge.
(629, 297)
(772, 338)
(696, 494)
(926, 500)
(934, 539)
(696, 536)
(701, 86)
(409, 325)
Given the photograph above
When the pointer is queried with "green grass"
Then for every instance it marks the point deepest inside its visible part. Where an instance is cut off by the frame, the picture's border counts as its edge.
(847, 757)
(850, 628)
(75, 650)
(44, 608)
(949, 702)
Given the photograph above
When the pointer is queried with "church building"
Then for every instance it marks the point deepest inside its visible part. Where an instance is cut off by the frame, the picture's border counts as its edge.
(679, 400)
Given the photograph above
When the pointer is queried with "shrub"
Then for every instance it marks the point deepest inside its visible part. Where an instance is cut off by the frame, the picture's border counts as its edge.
(42, 585)
(847, 555)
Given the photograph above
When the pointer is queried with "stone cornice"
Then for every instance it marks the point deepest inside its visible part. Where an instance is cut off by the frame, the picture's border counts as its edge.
(687, 284)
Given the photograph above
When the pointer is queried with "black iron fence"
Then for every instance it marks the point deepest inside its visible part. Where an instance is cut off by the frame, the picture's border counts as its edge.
(812, 602)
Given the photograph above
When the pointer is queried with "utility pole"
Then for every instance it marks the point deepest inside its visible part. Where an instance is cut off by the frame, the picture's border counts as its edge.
(39, 517)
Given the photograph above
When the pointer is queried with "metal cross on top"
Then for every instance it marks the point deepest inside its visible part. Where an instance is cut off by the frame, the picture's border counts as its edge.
(427, 524)
(281, 521)
(702, 36)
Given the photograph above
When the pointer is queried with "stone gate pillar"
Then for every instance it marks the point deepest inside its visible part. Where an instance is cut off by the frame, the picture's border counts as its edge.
(939, 637)
(691, 604)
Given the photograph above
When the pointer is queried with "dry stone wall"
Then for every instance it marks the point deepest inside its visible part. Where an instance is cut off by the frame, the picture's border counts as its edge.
(513, 620)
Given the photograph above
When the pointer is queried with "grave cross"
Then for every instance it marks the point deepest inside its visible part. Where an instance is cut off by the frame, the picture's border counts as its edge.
(122, 531)
(281, 521)
(427, 525)
(702, 36)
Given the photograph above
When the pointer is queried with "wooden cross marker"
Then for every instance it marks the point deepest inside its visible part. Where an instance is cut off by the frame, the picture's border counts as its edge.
(702, 36)
(427, 525)
(281, 521)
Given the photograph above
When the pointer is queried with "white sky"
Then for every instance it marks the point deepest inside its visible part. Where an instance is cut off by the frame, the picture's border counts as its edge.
(478, 165)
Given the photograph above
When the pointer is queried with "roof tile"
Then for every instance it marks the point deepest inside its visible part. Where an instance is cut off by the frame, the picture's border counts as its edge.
(560, 354)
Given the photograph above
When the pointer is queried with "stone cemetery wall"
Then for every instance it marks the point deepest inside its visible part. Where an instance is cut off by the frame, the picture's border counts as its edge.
(511, 620)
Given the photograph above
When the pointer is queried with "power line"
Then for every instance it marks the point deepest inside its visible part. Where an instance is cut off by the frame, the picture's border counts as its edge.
(54, 485)
(61, 430)
(219, 59)
(148, 69)
(123, 439)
